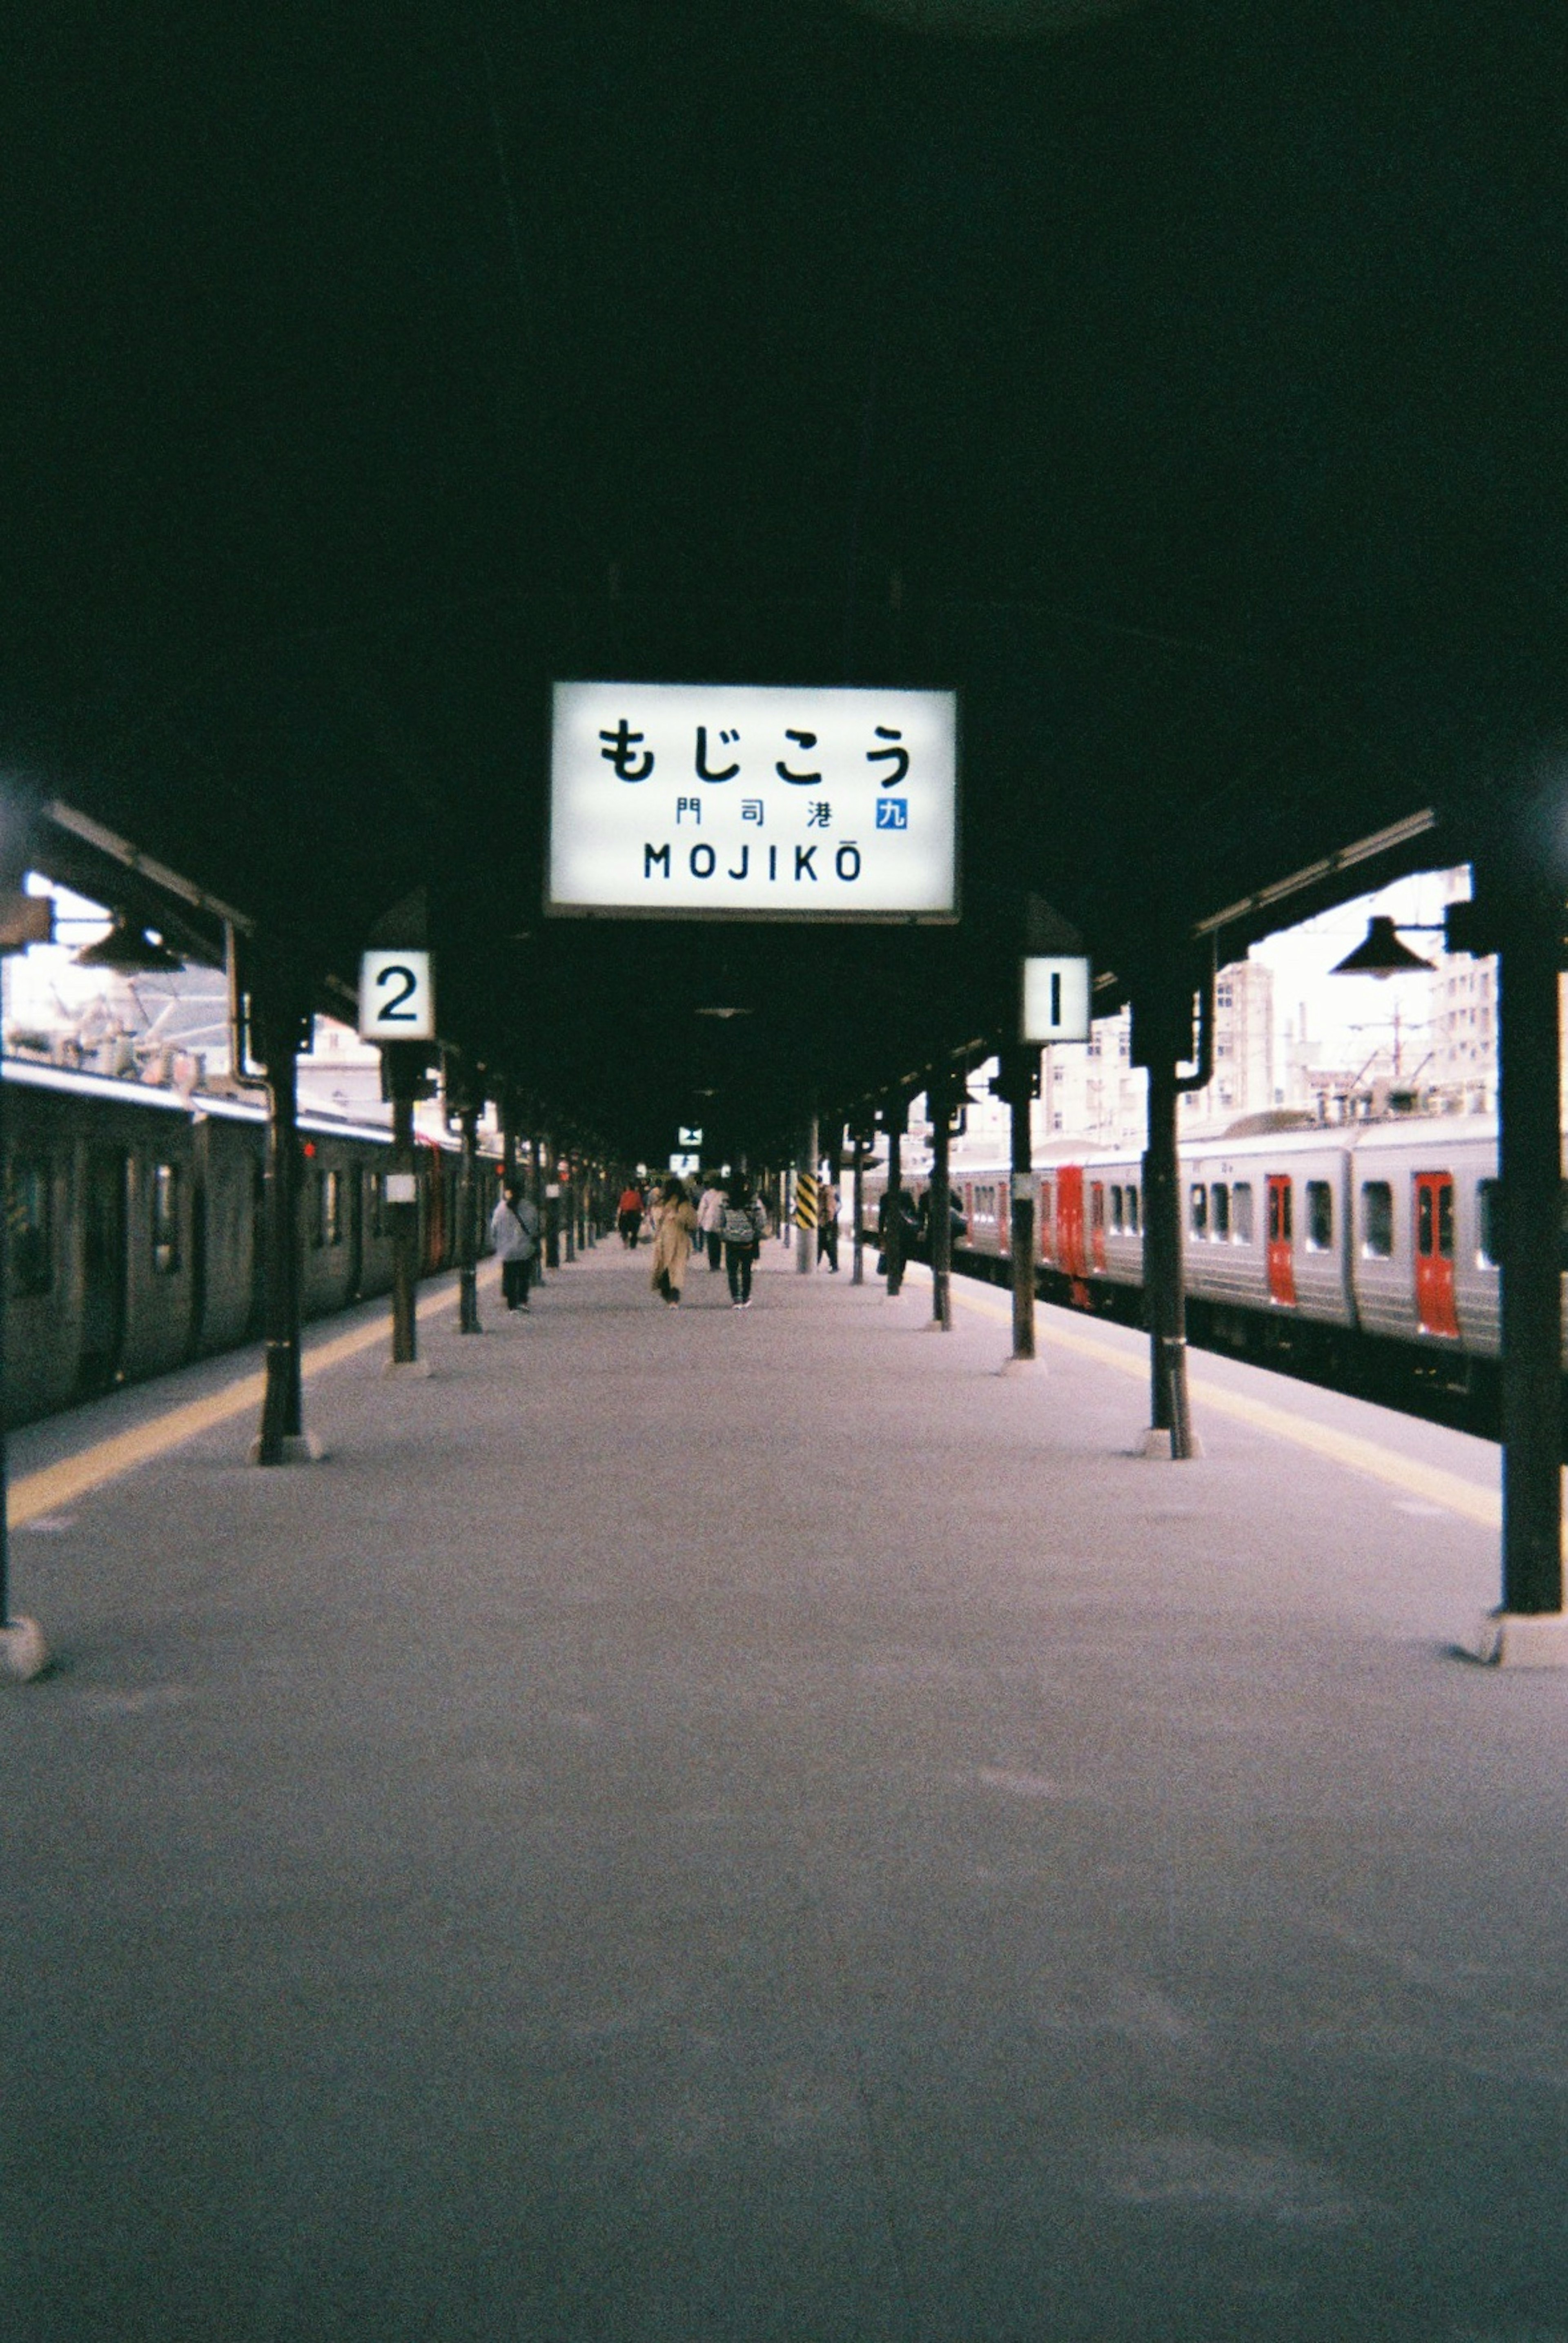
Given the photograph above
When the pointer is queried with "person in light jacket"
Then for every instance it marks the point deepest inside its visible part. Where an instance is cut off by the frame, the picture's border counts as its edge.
(710, 1219)
(515, 1234)
(674, 1222)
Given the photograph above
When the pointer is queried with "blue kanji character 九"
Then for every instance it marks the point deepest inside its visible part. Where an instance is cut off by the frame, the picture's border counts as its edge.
(892, 813)
(897, 756)
(617, 751)
(702, 772)
(801, 780)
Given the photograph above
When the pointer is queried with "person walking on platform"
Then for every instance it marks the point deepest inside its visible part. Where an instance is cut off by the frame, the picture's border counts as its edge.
(674, 1223)
(515, 1234)
(629, 1215)
(744, 1225)
(710, 1220)
(827, 1226)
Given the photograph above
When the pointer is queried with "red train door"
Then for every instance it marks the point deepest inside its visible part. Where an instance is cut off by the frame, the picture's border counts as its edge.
(1097, 1224)
(1281, 1247)
(1070, 1220)
(1434, 1307)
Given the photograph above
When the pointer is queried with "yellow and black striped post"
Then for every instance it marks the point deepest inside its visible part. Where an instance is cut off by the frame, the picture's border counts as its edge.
(806, 1195)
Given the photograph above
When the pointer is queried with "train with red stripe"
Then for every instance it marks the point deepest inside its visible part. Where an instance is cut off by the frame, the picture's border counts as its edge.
(1319, 1246)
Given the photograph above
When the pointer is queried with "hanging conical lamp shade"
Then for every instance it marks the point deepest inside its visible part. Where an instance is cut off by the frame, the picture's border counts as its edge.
(1381, 953)
(126, 949)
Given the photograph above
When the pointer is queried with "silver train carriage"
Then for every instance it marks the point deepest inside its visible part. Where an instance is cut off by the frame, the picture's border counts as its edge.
(134, 1228)
(1387, 1231)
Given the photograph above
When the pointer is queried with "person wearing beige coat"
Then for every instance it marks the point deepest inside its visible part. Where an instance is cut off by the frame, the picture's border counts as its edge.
(674, 1222)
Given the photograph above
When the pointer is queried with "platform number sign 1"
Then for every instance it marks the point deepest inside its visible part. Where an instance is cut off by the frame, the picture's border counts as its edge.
(396, 996)
(1055, 1000)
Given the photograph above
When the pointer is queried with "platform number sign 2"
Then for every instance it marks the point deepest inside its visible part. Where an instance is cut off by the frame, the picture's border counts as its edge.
(396, 996)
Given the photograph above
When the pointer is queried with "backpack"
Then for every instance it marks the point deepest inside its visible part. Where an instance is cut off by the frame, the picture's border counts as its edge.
(740, 1228)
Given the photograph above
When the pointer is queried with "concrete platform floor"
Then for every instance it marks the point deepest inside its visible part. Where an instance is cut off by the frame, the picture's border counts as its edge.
(718, 1824)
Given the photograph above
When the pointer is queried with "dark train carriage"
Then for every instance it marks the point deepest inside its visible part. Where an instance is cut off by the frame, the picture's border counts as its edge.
(135, 1228)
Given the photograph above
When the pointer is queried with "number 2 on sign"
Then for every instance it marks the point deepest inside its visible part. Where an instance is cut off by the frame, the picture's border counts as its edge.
(391, 1011)
(397, 997)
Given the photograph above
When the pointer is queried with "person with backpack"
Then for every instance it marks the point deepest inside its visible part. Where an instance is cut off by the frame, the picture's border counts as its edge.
(515, 1235)
(743, 1226)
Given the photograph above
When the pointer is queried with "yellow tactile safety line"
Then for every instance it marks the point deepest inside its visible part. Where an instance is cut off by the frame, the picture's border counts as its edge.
(45, 1491)
(1449, 1490)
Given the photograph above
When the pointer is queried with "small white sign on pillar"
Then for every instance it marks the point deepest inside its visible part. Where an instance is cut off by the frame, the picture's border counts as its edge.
(1055, 1000)
(396, 996)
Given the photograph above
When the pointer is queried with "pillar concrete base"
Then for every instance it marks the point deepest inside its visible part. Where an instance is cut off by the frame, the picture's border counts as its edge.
(936, 1326)
(23, 1653)
(1520, 1639)
(1157, 1447)
(415, 1370)
(298, 1448)
(1026, 1367)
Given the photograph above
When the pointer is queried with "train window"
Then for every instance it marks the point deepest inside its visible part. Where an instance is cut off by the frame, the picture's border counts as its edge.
(1097, 1205)
(1319, 1216)
(374, 1201)
(1377, 1221)
(1220, 1213)
(1445, 1220)
(1241, 1212)
(1488, 1223)
(1047, 1200)
(1423, 1221)
(1132, 1212)
(1116, 1212)
(1200, 1219)
(328, 1208)
(28, 1222)
(165, 1219)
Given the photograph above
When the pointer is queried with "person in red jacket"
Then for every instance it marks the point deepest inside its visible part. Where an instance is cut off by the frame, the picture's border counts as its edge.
(629, 1215)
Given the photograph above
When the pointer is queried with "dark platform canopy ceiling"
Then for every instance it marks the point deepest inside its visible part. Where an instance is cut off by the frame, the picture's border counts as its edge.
(1184, 384)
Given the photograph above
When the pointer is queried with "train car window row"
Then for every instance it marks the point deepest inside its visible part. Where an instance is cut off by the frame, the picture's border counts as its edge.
(1124, 1211)
(1221, 1212)
(30, 1226)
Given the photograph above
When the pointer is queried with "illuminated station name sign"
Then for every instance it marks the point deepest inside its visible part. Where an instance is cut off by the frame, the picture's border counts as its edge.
(679, 800)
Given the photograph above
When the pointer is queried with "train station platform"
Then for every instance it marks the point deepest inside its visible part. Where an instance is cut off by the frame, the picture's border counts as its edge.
(717, 1826)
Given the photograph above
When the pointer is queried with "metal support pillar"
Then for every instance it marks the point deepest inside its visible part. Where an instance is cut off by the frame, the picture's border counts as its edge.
(570, 1207)
(536, 1186)
(1169, 1414)
(1019, 1085)
(858, 1270)
(1527, 917)
(939, 1202)
(276, 1022)
(806, 1203)
(1162, 1038)
(405, 1219)
(552, 1203)
(893, 1211)
(468, 1225)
